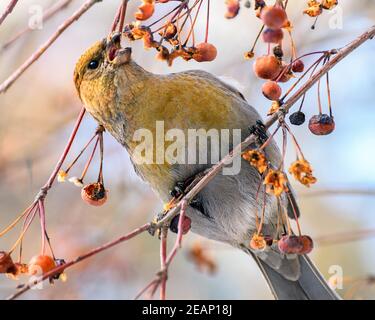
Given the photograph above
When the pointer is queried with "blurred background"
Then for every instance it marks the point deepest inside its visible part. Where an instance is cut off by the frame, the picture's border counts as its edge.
(37, 116)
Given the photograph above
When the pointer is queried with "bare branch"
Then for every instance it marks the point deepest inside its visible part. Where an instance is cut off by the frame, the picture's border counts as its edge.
(49, 13)
(8, 10)
(82, 257)
(37, 54)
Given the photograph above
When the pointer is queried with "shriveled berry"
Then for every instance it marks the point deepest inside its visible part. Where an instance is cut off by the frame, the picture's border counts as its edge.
(308, 244)
(290, 244)
(267, 67)
(274, 17)
(298, 66)
(94, 194)
(321, 124)
(258, 242)
(41, 264)
(186, 224)
(205, 52)
(145, 11)
(297, 118)
(271, 90)
(6, 262)
(272, 35)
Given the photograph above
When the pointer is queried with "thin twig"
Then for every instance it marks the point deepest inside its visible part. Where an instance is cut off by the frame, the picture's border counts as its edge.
(82, 257)
(37, 54)
(48, 14)
(8, 10)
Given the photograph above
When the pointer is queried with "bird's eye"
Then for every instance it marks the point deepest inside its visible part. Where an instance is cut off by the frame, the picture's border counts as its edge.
(93, 64)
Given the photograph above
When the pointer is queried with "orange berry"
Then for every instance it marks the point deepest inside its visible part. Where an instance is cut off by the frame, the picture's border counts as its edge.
(145, 11)
(94, 194)
(285, 74)
(205, 52)
(274, 17)
(321, 124)
(271, 90)
(41, 263)
(258, 243)
(267, 67)
(272, 35)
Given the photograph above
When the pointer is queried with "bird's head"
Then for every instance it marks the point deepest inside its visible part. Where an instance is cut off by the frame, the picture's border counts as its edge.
(97, 66)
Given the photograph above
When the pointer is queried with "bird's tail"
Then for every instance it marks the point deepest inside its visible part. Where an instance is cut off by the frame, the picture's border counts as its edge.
(310, 285)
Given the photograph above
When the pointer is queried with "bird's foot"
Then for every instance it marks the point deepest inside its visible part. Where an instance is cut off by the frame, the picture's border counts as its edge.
(260, 131)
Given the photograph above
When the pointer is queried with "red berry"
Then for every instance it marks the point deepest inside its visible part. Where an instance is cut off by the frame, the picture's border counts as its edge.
(267, 67)
(271, 90)
(94, 194)
(321, 124)
(272, 35)
(205, 52)
(290, 244)
(308, 244)
(274, 17)
(298, 66)
(41, 264)
(186, 224)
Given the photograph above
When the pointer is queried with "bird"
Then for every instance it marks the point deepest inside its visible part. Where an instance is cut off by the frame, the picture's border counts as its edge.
(124, 98)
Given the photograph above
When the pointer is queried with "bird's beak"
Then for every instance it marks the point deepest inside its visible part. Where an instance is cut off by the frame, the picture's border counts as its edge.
(115, 54)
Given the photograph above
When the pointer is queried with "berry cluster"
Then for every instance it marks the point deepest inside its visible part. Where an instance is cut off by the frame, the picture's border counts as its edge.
(173, 34)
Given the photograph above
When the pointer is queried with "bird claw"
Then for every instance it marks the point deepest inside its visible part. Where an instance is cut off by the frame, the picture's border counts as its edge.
(260, 131)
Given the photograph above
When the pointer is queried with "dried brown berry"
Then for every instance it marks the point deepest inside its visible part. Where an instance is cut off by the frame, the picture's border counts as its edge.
(267, 67)
(94, 194)
(205, 52)
(6, 262)
(274, 17)
(271, 90)
(321, 124)
(290, 244)
(298, 66)
(272, 35)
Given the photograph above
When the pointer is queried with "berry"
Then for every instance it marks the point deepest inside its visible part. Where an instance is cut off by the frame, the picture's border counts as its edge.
(94, 194)
(272, 35)
(308, 244)
(145, 11)
(290, 244)
(271, 90)
(267, 67)
(6, 262)
(258, 243)
(41, 263)
(297, 118)
(273, 17)
(298, 66)
(186, 224)
(205, 52)
(321, 124)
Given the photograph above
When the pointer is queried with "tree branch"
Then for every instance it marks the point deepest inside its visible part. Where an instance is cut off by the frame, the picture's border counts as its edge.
(49, 13)
(8, 10)
(37, 54)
